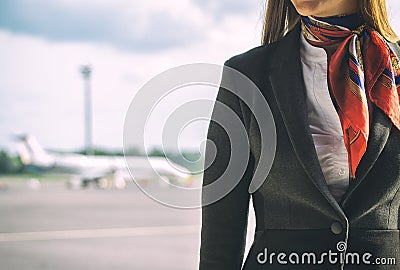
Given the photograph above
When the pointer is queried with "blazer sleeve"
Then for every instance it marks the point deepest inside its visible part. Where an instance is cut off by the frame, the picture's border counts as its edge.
(224, 222)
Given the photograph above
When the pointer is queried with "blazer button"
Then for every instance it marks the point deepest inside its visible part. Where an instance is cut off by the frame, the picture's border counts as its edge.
(336, 227)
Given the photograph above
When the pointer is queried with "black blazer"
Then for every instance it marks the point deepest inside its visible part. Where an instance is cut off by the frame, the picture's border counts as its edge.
(295, 212)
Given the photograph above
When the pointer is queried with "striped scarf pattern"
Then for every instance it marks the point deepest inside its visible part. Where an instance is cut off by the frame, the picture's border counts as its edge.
(362, 68)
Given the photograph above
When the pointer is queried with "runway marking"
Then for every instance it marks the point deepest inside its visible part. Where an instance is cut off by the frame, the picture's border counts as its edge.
(98, 233)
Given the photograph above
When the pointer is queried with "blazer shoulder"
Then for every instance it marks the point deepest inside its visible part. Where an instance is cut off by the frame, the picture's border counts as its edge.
(254, 59)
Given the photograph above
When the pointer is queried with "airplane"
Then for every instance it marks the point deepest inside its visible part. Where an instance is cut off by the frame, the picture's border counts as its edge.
(103, 171)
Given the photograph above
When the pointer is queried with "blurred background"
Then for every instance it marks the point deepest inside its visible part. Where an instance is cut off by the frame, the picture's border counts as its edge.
(68, 72)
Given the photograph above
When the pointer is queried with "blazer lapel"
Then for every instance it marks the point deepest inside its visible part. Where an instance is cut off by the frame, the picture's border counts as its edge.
(379, 133)
(287, 84)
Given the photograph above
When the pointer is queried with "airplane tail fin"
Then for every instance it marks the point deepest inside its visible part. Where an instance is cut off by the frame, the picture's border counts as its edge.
(31, 152)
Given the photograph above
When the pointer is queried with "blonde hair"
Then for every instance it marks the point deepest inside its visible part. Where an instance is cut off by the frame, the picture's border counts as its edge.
(281, 16)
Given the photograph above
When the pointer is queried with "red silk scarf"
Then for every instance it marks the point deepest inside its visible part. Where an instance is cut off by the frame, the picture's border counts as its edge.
(363, 68)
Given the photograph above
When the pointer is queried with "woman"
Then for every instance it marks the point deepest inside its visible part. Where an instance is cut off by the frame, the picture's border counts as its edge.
(329, 70)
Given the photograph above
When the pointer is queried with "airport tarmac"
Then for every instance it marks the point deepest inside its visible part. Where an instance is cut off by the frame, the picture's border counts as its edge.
(50, 227)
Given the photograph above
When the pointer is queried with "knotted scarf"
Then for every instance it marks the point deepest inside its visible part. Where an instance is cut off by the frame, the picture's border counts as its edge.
(362, 69)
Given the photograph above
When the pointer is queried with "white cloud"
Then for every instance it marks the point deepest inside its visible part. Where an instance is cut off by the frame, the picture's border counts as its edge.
(130, 25)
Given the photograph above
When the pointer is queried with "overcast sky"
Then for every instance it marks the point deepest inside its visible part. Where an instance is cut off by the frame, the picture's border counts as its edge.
(43, 44)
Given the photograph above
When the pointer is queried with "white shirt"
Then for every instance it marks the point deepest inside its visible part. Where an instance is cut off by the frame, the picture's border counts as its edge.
(324, 121)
